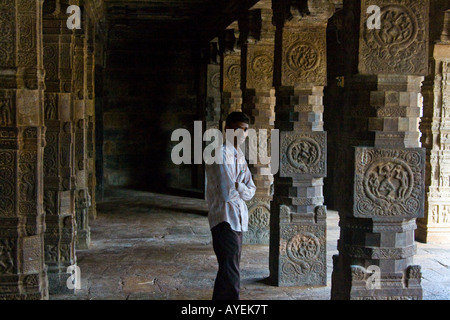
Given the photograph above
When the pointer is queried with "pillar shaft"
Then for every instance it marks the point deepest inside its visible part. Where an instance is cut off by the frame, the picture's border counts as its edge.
(90, 114)
(259, 103)
(231, 75)
(80, 123)
(22, 270)
(298, 217)
(213, 102)
(59, 186)
(383, 183)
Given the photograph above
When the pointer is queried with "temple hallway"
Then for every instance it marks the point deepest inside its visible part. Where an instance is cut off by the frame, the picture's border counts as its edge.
(152, 246)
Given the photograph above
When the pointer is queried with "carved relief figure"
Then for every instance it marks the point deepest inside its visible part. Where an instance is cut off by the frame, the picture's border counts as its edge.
(6, 260)
(398, 26)
(234, 74)
(304, 153)
(5, 111)
(389, 182)
(303, 247)
(50, 107)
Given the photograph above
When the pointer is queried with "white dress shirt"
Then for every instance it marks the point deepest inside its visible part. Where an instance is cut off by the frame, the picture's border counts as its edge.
(225, 201)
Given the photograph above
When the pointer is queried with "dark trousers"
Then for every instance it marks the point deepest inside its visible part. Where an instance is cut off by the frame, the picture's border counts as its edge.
(227, 245)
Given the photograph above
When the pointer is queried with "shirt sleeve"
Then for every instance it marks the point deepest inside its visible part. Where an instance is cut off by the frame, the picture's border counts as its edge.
(247, 188)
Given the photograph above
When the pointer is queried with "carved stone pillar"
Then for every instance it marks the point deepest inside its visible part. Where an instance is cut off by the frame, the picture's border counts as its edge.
(384, 192)
(298, 216)
(230, 53)
(80, 123)
(59, 186)
(22, 270)
(90, 115)
(213, 103)
(435, 127)
(259, 104)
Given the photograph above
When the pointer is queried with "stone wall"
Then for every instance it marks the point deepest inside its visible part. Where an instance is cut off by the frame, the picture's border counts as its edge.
(150, 90)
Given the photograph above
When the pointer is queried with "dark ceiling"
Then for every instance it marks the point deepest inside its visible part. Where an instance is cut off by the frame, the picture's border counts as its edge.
(183, 19)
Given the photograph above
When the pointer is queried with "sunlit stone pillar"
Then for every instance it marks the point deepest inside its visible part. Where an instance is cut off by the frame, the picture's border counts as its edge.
(435, 127)
(230, 55)
(298, 216)
(23, 273)
(259, 104)
(81, 125)
(59, 180)
(383, 185)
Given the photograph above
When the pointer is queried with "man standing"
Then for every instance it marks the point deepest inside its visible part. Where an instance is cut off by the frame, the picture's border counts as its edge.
(229, 185)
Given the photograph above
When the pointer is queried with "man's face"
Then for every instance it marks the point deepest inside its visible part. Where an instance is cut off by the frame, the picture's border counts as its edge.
(240, 132)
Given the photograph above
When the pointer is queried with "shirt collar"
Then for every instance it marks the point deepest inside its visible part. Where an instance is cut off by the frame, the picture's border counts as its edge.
(235, 151)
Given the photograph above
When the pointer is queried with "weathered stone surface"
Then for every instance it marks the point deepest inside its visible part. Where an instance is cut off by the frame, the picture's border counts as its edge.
(303, 153)
(23, 274)
(389, 183)
(297, 225)
(400, 45)
(231, 72)
(81, 103)
(258, 221)
(59, 198)
(387, 190)
(259, 104)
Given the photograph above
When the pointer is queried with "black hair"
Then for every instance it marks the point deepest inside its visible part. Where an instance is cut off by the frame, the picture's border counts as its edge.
(237, 117)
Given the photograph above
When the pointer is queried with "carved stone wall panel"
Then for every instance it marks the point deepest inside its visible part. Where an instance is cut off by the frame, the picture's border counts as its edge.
(7, 108)
(8, 184)
(303, 154)
(7, 33)
(258, 221)
(8, 258)
(27, 53)
(303, 251)
(260, 62)
(29, 175)
(231, 72)
(304, 57)
(389, 183)
(400, 45)
(300, 252)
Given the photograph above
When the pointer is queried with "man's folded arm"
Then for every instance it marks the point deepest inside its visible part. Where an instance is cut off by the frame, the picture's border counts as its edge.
(225, 184)
(247, 188)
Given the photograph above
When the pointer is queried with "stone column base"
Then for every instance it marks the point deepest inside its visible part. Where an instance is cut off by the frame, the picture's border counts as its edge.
(57, 279)
(356, 283)
(298, 248)
(83, 239)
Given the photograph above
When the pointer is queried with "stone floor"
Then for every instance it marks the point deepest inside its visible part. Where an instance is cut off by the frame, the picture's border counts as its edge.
(151, 246)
